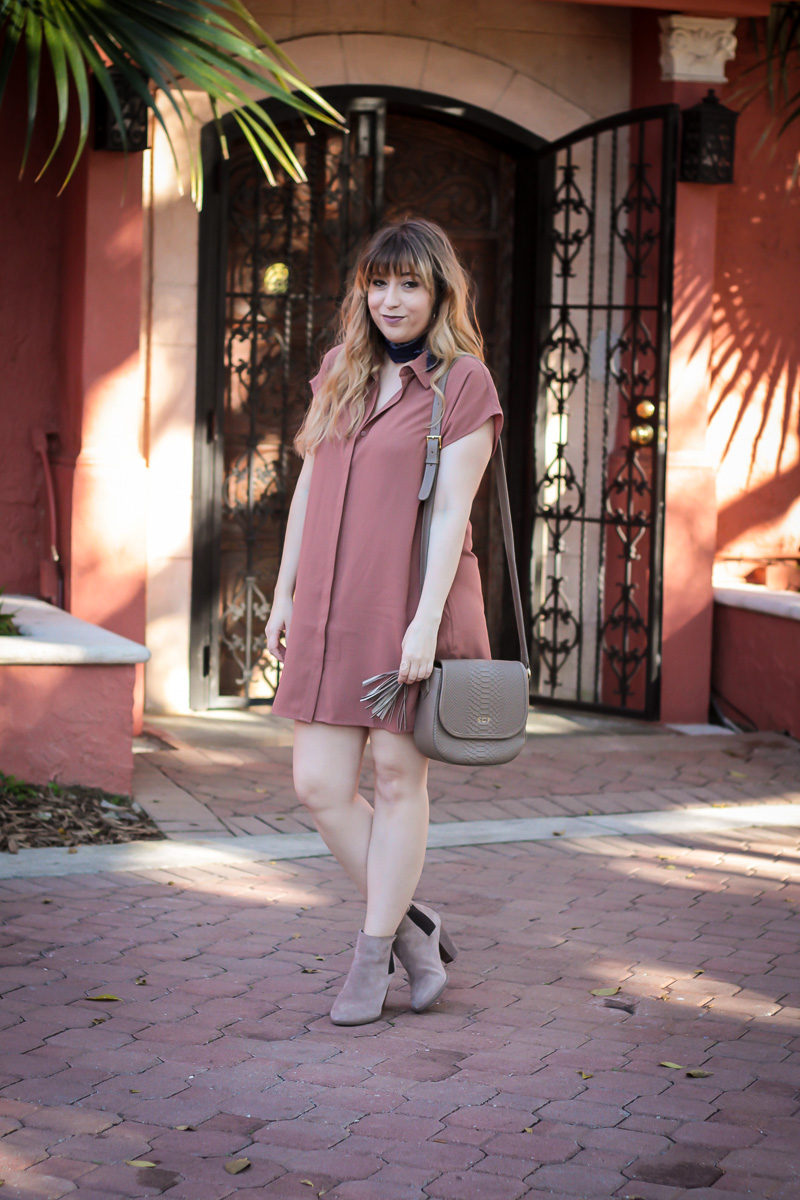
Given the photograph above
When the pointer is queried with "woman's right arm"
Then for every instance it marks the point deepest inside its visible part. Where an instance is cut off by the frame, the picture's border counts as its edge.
(280, 616)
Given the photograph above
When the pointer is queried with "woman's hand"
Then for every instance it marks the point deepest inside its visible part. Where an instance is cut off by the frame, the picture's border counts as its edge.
(280, 618)
(418, 650)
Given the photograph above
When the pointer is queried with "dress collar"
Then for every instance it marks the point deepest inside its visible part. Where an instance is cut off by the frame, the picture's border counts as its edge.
(422, 366)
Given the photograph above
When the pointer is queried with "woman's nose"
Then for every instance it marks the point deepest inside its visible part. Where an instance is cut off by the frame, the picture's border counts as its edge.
(393, 294)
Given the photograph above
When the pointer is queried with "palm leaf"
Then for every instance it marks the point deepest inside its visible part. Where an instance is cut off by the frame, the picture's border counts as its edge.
(58, 61)
(777, 42)
(163, 50)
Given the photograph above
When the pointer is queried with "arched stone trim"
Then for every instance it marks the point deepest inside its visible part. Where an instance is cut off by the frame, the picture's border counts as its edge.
(410, 62)
(170, 320)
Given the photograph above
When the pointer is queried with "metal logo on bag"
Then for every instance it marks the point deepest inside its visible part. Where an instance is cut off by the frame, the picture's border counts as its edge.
(484, 720)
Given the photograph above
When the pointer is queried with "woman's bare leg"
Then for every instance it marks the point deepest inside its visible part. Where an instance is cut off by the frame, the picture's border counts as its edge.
(327, 765)
(399, 830)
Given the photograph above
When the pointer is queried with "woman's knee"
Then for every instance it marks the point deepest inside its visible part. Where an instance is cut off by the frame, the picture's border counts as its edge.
(317, 789)
(326, 767)
(398, 774)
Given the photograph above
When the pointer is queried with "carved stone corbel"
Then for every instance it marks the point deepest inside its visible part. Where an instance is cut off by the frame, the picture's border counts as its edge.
(696, 49)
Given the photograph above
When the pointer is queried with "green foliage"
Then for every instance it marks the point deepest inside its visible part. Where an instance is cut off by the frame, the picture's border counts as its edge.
(777, 71)
(7, 626)
(158, 46)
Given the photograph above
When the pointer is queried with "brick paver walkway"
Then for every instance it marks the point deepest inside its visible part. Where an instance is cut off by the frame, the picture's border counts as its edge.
(519, 1083)
(234, 776)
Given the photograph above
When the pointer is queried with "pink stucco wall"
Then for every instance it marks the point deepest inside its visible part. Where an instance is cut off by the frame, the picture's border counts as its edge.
(757, 668)
(70, 316)
(69, 723)
(690, 511)
(31, 240)
(754, 431)
(733, 458)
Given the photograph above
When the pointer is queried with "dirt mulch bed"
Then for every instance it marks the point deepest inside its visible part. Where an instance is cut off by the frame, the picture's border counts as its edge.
(53, 814)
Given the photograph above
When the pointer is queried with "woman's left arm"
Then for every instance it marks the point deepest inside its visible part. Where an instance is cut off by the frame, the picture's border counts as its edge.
(461, 468)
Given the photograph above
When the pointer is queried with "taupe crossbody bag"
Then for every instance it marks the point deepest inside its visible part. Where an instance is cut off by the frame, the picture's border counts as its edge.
(472, 711)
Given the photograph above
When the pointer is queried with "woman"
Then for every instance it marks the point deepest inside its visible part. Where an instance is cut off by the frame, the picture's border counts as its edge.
(348, 603)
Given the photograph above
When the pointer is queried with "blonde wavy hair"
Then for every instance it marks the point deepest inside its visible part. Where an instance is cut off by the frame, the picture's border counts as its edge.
(410, 247)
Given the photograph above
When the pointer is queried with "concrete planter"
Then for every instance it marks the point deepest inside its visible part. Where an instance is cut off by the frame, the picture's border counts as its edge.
(66, 698)
(756, 660)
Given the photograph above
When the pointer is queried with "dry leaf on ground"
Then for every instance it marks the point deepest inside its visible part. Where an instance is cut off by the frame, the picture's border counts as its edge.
(234, 1165)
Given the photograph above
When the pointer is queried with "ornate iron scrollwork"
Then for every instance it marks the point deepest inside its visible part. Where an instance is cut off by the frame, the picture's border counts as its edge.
(564, 360)
(572, 220)
(242, 628)
(602, 365)
(559, 633)
(635, 219)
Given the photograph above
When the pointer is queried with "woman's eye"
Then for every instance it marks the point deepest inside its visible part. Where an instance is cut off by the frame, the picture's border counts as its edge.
(410, 283)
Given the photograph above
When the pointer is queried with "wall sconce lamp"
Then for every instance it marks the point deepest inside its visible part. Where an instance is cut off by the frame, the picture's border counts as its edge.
(708, 140)
(107, 132)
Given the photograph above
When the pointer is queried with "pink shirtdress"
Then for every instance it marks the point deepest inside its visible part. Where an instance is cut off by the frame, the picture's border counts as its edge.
(358, 584)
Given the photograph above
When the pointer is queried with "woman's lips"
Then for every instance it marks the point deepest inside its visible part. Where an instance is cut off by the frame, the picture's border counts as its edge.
(393, 320)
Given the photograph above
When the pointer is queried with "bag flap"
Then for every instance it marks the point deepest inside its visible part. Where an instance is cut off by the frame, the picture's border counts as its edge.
(483, 697)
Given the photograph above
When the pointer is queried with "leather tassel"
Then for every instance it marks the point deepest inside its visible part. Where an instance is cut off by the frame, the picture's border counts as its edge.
(385, 696)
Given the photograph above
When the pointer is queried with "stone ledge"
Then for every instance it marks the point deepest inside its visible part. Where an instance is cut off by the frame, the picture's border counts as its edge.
(53, 637)
(759, 599)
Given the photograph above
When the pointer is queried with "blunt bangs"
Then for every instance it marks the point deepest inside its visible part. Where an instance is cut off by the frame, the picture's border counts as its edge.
(397, 253)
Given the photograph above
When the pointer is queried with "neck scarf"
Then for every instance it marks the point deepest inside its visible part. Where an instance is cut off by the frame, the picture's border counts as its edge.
(403, 352)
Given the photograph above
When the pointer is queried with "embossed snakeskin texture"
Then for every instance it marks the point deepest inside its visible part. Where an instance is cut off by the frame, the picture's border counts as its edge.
(475, 689)
(483, 698)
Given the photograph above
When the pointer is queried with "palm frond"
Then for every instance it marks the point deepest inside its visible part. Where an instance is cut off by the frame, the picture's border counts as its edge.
(775, 72)
(163, 50)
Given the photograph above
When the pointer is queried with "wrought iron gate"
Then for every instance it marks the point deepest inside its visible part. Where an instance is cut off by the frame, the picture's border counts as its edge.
(605, 200)
(572, 243)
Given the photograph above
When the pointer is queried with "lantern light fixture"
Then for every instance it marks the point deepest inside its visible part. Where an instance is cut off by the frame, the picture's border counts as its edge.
(707, 142)
(107, 132)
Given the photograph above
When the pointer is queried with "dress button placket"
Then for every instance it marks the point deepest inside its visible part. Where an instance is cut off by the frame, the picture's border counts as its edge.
(331, 569)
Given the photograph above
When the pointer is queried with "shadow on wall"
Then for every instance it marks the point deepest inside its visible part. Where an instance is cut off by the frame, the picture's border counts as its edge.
(756, 351)
(754, 406)
(756, 358)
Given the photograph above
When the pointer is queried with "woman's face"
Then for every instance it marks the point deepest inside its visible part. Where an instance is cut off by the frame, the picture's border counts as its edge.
(400, 305)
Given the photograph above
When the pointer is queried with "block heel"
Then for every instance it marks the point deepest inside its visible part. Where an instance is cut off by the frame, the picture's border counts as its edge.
(448, 951)
(422, 946)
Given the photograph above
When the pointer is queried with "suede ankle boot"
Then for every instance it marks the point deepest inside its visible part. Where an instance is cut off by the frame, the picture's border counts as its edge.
(361, 998)
(423, 946)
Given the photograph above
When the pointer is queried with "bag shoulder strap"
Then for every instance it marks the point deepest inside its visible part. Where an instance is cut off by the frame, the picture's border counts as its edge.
(427, 492)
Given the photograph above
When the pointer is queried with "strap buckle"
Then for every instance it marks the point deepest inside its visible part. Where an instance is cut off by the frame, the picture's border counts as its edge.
(434, 437)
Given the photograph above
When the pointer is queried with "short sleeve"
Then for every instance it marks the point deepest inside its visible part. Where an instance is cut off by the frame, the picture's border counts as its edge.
(470, 400)
(325, 366)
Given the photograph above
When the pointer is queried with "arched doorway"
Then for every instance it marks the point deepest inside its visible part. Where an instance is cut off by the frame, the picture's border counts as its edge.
(274, 262)
(570, 247)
